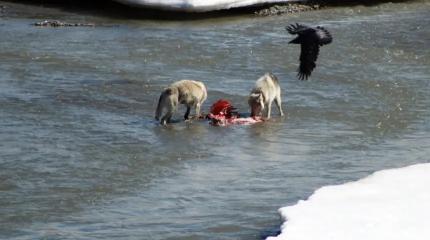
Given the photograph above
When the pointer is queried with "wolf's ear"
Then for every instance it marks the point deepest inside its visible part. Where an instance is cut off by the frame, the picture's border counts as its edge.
(168, 90)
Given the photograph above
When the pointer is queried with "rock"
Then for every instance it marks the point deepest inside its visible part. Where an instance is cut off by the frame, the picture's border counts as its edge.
(56, 23)
(287, 9)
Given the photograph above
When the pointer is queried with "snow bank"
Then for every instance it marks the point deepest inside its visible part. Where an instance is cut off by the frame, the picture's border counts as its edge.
(197, 5)
(391, 204)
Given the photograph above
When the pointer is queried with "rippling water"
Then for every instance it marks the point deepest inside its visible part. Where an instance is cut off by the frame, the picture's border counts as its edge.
(82, 158)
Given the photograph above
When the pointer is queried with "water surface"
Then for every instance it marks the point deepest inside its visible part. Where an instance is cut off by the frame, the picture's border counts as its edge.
(82, 158)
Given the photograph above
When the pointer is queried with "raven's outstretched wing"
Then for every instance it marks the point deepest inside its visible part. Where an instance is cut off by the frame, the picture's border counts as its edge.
(308, 57)
(310, 39)
(324, 37)
(296, 29)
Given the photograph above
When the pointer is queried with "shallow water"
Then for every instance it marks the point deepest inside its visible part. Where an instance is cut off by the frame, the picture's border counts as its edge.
(82, 158)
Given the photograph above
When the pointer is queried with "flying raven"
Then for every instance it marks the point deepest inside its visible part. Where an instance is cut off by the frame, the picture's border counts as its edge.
(310, 40)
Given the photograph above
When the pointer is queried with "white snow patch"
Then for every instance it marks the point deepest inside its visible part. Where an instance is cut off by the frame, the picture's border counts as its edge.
(198, 5)
(390, 204)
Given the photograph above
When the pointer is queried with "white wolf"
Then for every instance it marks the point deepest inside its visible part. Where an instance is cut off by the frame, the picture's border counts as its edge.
(189, 92)
(266, 91)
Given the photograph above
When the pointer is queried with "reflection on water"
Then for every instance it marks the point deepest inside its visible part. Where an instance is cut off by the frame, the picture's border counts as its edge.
(81, 156)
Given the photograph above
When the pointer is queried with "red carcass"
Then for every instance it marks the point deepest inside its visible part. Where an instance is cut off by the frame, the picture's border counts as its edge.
(223, 113)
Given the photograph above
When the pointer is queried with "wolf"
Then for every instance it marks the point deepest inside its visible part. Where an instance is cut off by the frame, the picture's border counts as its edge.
(189, 92)
(266, 91)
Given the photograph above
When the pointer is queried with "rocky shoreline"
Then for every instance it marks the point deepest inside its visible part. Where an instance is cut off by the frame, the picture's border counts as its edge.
(56, 23)
(304, 6)
(2, 10)
(287, 8)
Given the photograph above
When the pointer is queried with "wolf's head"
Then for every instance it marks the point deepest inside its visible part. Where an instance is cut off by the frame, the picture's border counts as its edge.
(256, 103)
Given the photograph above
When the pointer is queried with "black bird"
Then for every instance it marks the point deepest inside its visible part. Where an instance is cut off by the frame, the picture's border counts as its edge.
(310, 40)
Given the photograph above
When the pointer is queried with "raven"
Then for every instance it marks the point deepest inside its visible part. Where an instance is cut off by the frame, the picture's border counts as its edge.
(310, 40)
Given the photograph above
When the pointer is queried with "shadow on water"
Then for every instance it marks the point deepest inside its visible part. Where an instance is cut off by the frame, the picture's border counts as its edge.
(356, 3)
(275, 231)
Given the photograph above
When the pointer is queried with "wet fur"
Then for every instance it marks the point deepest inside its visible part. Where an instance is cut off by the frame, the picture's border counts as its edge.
(266, 91)
(188, 92)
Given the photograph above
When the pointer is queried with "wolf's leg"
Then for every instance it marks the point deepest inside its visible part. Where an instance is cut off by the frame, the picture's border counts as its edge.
(160, 106)
(269, 108)
(278, 103)
(171, 108)
(198, 105)
(165, 119)
(187, 113)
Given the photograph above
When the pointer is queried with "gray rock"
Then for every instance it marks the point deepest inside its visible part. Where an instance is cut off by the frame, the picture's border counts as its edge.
(56, 23)
(287, 9)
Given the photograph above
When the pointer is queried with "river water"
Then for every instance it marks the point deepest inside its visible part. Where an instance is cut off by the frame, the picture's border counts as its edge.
(82, 158)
